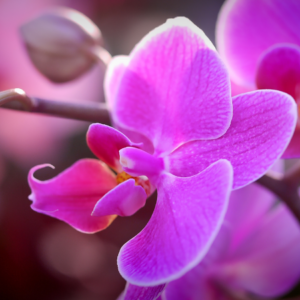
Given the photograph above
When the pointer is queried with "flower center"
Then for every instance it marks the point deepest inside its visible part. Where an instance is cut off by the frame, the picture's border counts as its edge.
(123, 176)
(141, 181)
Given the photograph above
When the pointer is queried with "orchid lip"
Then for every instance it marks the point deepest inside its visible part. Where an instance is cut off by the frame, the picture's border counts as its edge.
(142, 181)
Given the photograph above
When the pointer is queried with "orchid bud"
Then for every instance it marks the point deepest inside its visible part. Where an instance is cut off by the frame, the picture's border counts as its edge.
(62, 43)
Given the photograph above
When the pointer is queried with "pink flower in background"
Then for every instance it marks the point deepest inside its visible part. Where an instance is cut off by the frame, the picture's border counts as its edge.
(259, 41)
(171, 98)
(256, 251)
(29, 138)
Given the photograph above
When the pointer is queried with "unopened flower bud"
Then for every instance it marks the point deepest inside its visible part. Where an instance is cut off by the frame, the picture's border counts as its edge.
(62, 43)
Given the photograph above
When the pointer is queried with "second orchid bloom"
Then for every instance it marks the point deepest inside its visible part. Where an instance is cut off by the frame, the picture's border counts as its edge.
(178, 131)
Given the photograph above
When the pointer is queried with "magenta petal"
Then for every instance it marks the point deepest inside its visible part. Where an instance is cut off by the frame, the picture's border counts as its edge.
(238, 89)
(245, 29)
(112, 80)
(143, 142)
(186, 219)
(196, 284)
(113, 77)
(142, 293)
(267, 263)
(262, 126)
(279, 69)
(174, 86)
(191, 286)
(72, 195)
(105, 142)
(247, 207)
(124, 200)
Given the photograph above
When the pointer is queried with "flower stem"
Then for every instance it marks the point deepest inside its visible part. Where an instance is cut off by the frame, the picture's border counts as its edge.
(17, 99)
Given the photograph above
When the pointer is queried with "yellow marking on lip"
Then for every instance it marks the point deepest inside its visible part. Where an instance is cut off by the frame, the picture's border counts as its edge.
(123, 176)
(145, 184)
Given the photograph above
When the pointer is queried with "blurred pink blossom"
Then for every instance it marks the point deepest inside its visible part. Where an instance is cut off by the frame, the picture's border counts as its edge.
(259, 41)
(256, 251)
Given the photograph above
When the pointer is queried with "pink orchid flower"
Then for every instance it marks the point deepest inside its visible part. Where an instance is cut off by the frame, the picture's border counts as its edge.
(259, 41)
(171, 97)
(256, 251)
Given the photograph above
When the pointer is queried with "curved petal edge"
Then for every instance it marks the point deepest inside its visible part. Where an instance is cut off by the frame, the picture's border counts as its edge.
(72, 195)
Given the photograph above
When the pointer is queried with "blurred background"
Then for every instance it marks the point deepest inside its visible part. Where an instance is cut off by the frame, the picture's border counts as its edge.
(41, 257)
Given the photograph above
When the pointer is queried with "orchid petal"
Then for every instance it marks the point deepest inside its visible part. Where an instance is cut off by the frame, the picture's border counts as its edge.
(124, 200)
(245, 29)
(267, 263)
(112, 80)
(192, 286)
(72, 195)
(142, 293)
(238, 89)
(279, 69)
(137, 138)
(105, 142)
(186, 219)
(196, 284)
(113, 77)
(262, 125)
(248, 206)
(173, 87)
